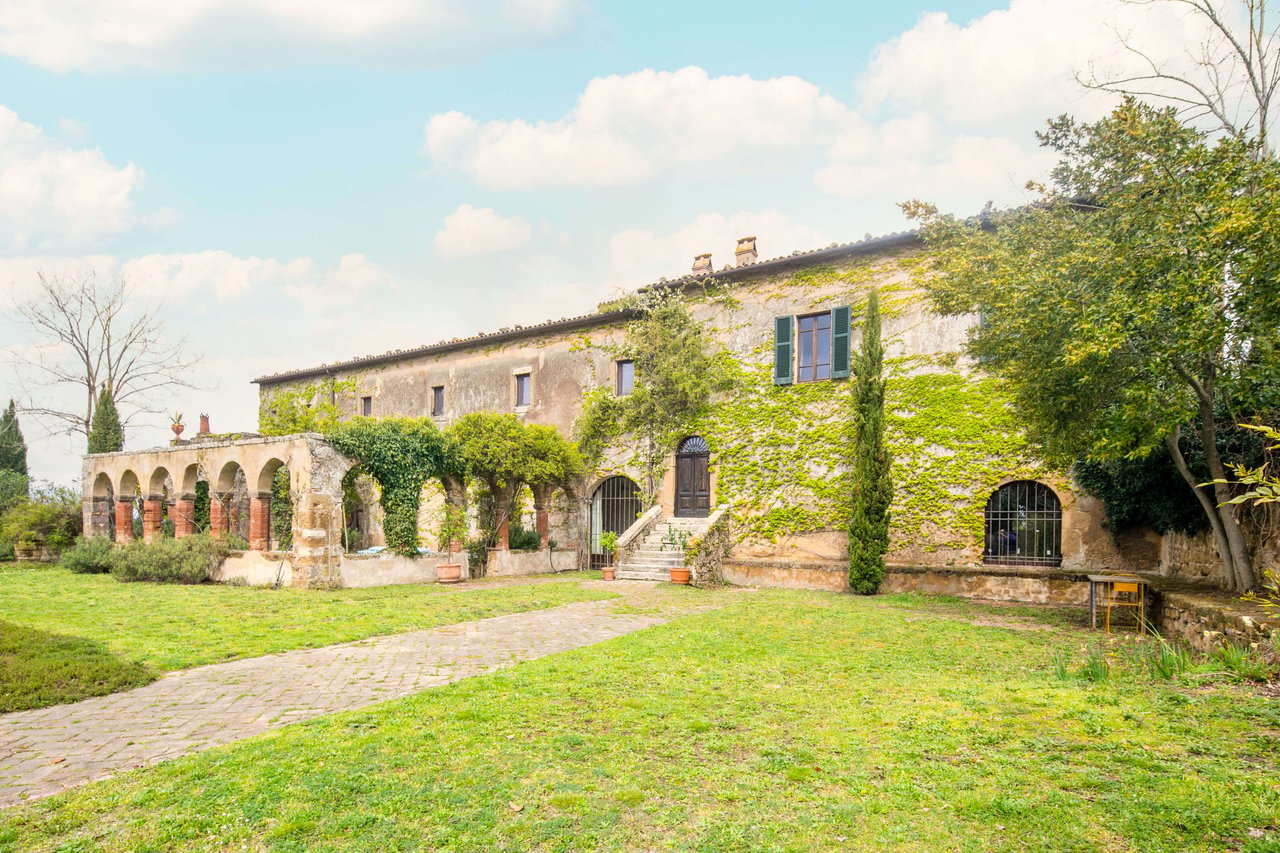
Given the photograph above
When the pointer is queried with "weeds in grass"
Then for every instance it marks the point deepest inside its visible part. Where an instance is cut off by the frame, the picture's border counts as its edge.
(1096, 667)
(1162, 660)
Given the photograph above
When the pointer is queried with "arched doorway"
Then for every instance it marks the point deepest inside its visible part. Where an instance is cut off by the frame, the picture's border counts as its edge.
(693, 478)
(615, 506)
(1023, 523)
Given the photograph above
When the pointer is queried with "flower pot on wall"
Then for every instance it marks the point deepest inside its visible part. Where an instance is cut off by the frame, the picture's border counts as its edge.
(448, 572)
(680, 575)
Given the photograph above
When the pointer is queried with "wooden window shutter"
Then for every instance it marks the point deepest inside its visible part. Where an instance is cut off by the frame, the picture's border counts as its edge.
(782, 347)
(841, 318)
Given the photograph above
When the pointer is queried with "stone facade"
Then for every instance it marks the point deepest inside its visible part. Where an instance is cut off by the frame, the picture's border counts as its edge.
(776, 453)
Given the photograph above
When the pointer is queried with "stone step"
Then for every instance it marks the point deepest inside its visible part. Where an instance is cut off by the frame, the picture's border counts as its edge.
(639, 575)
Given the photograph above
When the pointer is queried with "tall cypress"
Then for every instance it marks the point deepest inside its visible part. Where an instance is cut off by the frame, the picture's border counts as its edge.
(105, 434)
(871, 483)
(13, 449)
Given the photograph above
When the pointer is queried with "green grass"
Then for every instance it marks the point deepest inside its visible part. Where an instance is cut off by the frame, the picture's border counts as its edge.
(784, 721)
(167, 627)
(38, 669)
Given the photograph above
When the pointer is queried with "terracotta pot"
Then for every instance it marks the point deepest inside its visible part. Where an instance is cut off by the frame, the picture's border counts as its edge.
(448, 572)
(177, 430)
(608, 573)
(680, 575)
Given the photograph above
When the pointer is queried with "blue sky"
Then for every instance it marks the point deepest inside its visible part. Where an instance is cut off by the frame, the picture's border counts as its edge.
(312, 181)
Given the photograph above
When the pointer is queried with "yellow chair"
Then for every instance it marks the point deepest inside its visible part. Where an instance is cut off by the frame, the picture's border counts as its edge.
(1126, 594)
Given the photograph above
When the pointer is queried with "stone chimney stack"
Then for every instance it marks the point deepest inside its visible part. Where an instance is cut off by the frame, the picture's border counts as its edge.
(746, 251)
(702, 264)
(204, 424)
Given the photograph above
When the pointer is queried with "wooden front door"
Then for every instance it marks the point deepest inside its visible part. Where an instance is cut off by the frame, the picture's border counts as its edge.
(693, 479)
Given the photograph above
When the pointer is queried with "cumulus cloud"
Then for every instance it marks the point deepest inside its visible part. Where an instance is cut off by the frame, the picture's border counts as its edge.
(161, 35)
(53, 196)
(626, 128)
(470, 231)
(1020, 63)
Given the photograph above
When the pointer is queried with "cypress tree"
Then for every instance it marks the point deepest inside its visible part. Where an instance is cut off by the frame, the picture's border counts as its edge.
(13, 449)
(871, 484)
(106, 434)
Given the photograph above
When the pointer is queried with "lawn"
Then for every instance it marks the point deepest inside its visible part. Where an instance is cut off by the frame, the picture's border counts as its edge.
(167, 627)
(38, 669)
(782, 721)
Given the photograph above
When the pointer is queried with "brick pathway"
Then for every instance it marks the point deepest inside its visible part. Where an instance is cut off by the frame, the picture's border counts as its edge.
(48, 750)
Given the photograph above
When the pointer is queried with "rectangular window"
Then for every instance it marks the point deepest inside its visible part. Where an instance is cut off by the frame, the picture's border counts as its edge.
(437, 401)
(366, 406)
(523, 386)
(626, 377)
(813, 347)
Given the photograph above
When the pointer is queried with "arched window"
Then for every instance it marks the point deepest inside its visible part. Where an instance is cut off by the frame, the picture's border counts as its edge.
(1023, 526)
(693, 444)
(615, 506)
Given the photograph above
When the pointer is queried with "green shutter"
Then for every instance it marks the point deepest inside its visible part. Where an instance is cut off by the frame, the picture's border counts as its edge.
(840, 319)
(782, 351)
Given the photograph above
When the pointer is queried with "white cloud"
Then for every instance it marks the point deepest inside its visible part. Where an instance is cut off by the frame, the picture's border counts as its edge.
(52, 196)
(1019, 64)
(161, 35)
(639, 256)
(472, 231)
(625, 129)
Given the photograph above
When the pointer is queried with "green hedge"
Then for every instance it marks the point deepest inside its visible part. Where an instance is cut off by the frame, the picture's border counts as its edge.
(188, 560)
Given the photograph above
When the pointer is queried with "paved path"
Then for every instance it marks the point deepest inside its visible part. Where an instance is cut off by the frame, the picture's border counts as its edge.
(48, 750)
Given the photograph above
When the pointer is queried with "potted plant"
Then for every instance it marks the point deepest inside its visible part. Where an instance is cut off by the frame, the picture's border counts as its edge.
(609, 544)
(452, 529)
(176, 425)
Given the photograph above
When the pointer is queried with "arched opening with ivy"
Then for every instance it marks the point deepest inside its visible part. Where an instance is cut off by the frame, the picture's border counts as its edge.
(615, 505)
(102, 514)
(1023, 526)
(362, 512)
(271, 512)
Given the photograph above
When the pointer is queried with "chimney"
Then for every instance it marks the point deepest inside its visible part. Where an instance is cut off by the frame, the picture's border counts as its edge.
(702, 264)
(746, 251)
(204, 424)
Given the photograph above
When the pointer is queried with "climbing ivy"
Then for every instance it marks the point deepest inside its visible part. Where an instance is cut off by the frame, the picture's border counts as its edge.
(315, 407)
(401, 454)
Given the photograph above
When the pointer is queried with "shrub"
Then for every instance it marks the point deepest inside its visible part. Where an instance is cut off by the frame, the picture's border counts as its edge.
(521, 539)
(14, 487)
(188, 560)
(49, 519)
(91, 555)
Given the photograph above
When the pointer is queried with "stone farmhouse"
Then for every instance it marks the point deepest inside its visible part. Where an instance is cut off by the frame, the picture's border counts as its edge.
(762, 477)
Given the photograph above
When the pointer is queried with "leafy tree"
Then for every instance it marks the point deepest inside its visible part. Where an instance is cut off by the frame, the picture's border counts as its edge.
(871, 483)
(14, 487)
(13, 449)
(675, 378)
(495, 450)
(1138, 296)
(106, 436)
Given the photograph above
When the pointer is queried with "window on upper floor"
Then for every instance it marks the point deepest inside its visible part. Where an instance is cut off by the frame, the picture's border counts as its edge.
(366, 406)
(625, 380)
(811, 347)
(524, 387)
(437, 401)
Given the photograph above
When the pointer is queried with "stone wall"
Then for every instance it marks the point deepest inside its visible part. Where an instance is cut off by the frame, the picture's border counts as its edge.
(504, 564)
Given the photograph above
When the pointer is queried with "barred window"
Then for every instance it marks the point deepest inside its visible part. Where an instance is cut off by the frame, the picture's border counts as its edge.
(1023, 526)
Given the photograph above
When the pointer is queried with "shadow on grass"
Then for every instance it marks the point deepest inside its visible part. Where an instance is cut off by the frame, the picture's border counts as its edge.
(38, 669)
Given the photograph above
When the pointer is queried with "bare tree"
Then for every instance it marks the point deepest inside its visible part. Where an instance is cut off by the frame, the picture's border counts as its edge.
(1232, 76)
(93, 335)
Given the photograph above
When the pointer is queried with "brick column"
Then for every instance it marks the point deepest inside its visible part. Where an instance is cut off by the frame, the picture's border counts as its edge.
(219, 524)
(503, 532)
(184, 516)
(124, 520)
(152, 512)
(260, 522)
(542, 497)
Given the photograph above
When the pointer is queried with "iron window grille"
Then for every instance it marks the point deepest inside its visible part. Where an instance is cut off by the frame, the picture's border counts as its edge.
(615, 506)
(1023, 526)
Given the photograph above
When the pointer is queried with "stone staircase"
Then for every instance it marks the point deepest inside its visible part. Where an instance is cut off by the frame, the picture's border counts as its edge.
(651, 559)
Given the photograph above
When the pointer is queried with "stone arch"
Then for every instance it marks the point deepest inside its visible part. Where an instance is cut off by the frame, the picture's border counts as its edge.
(270, 517)
(361, 510)
(229, 502)
(155, 503)
(126, 496)
(183, 509)
(1022, 525)
(615, 505)
(128, 487)
(227, 475)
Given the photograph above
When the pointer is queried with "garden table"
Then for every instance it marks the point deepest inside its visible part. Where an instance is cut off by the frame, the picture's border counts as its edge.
(1107, 583)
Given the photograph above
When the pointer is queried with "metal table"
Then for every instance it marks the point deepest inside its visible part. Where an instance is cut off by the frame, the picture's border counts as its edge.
(1105, 582)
